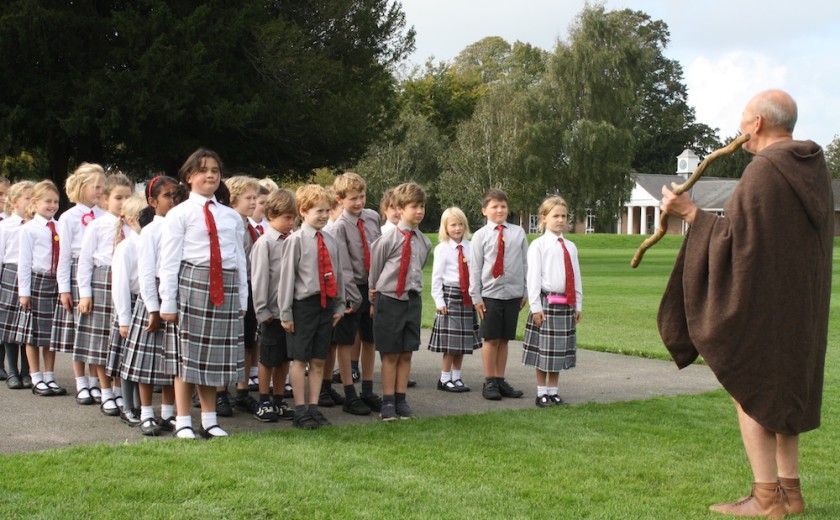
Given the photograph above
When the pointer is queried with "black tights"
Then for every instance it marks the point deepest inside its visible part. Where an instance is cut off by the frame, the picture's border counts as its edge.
(15, 352)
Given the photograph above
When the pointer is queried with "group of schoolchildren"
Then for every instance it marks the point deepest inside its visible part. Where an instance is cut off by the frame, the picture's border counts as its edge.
(202, 283)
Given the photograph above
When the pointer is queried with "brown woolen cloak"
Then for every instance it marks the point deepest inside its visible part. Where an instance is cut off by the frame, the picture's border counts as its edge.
(750, 290)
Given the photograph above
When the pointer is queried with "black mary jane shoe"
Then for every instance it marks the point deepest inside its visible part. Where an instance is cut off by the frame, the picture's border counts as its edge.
(42, 389)
(14, 382)
(448, 386)
(208, 433)
(84, 398)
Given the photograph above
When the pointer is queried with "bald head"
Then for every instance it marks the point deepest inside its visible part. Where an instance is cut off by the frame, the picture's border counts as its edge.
(777, 108)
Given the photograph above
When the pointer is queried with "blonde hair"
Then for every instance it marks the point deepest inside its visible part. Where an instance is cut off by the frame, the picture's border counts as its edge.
(16, 191)
(269, 184)
(280, 202)
(348, 181)
(116, 180)
(333, 199)
(238, 185)
(131, 210)
(384, 204)
(39, 191)
(453, 213)
(308, 195)
(547, 205)
(406, 193)
(84, 174)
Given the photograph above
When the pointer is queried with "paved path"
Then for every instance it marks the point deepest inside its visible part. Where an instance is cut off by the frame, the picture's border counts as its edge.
(29, 423)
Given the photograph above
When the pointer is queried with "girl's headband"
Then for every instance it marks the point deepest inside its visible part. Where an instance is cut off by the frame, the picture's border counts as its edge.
(152, 183)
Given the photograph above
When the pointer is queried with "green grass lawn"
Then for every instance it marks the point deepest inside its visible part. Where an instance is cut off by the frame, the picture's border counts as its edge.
(663, 458)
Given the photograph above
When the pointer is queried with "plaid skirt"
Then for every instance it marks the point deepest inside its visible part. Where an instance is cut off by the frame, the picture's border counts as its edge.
(93, 332)
(9, 303)
(455, 332)
(211, 340)
(35, 325)
(116, 347)
(553, 346)
(64, 322)
(144, 357)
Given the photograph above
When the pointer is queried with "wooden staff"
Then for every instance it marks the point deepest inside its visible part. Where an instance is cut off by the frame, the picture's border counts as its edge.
(682, 188)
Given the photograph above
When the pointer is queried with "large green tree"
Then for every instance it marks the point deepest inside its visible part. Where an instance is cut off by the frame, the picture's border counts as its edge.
(832, 157)
(283, 86)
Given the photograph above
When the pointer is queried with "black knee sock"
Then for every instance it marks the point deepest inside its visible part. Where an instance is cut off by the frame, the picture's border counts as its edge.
(367, 387)
(3, 356)
(128, 389)
(354, 365)
(350, 391)
(326, 385)
(24, 361)
(12, 358)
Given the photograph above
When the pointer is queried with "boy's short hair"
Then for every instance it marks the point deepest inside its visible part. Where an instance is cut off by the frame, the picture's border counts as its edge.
(493, 194)
(308, 195)
(333, 199)
(279, 202)
(348, 181)
(238, 185)
(408, 192)
(85, 173)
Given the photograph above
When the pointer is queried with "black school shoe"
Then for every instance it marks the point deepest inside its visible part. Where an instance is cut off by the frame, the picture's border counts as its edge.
(150, 427)
(355, 406)
(42, 389)
(14, 382)
(491, 391)
(130, 417)
(448, 386)
(247, 404)
(167, 425)
(508, 391)
(373, 401)
(305, 421)
(556, 399)
(223, 408)
(56, 389)
(544, 401)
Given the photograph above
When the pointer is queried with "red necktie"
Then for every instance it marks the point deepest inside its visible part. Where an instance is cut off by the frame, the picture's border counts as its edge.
(464, 276)
(217, 289)
(361, 224)
(405, 261)
(325, 272)
(253, 231)
(571, 297)
(55, 245)
(499, 264)
(260, 229)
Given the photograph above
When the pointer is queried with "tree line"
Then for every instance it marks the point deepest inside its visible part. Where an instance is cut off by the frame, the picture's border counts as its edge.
(285, 88)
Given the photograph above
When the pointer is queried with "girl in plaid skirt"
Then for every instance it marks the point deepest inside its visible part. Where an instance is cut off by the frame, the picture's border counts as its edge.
(37, 287)
(96, 309)
(147, 360)
(556, 300)
(455, 332)
(84, 188)
(204, 289)
(16, 204)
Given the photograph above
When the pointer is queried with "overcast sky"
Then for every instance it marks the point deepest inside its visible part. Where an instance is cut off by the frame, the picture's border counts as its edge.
(729, 50)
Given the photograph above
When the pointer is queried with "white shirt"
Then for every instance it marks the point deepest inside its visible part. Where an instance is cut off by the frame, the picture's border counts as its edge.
(124, 280)
(547, 270)
(445, 268)
(148, 262)
(97, 250)
(9, 239)
(71, 229)
(35, 252)
(387, 226)
(185, 239)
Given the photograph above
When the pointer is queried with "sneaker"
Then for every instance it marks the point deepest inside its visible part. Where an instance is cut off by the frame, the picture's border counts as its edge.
(373, 401)
(282, 410)
(388, 413)
(508, 391)
(247, 404)
(544, 401)
(266, 413)
(337, 398)
(356, 375)
(404, 410)
(287, 391)
(305, 421)
(556, 399)
(254, 384)
(318, 416)
(355, 406)
(130, 417)
(166, 425)
(491, 391)
(325, 399)
(223, 408)
(336, 377)
(150, 427)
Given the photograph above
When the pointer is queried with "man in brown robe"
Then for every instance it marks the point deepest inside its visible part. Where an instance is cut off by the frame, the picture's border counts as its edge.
(750, 293)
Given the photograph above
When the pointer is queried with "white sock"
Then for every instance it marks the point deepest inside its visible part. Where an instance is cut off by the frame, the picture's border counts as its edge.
(147, 412)
(81, 382)
(117, 391)
(552, 390)
(37, 377)
(184, 421)
(208, 419)
(167, 411)
(94, 381)
(456, 374)
(49, 376)
(255, 371)
(107, 393)
(445, 376)
(541, 391)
